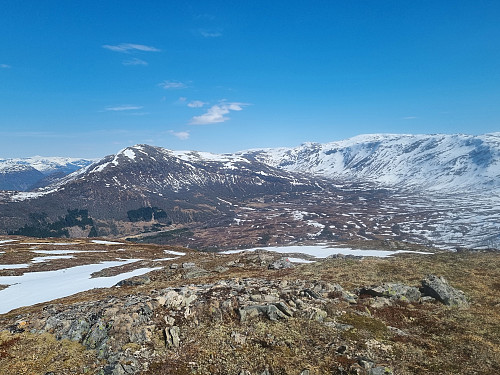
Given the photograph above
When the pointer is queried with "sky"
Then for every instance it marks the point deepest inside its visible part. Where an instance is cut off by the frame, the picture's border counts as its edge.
(88, 78)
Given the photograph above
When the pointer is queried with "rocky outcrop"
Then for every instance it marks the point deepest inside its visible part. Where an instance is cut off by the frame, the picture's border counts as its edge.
(393, 291)
(438, 288)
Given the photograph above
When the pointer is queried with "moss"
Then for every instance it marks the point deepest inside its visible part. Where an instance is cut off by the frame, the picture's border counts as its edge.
(374, 326)
(28, 353)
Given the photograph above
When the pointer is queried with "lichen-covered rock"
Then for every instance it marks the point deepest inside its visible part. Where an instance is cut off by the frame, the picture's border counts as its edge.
(438, 288)
(172, 339)
(393, 291)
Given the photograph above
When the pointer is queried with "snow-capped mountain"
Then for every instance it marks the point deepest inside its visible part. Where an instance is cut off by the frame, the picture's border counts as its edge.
(444, 189)
(188, 185)
(37, 171)
(432, 162)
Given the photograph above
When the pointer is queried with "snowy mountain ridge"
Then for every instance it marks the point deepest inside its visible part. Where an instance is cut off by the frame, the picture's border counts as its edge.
(45, 165)
(435, 162)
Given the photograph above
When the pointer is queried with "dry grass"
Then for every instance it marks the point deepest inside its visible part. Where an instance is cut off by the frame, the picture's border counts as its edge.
(435, 339)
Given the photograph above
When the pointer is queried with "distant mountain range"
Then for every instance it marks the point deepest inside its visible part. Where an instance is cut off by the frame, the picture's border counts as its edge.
(168, 189)
(30, 173)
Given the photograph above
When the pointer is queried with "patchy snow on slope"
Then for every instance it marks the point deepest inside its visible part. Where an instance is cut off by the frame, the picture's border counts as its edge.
(103, 242)
(172, 252)
(325, 251)
(129, 153)
(13, 266)
(7, 241)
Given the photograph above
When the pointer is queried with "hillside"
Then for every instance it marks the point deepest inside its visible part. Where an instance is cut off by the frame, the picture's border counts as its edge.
(253, 312)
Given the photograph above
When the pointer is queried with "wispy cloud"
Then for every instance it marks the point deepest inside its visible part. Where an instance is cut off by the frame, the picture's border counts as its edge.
(135, 61)
(196, 104)
(181, 135)
(217, 113)
(130, 47)
(123, 108)
(210, 33)
(169, 85)
(5, 66)
(409, 118)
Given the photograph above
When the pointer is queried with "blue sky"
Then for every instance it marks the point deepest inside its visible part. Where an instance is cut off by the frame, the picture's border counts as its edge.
(87, 78)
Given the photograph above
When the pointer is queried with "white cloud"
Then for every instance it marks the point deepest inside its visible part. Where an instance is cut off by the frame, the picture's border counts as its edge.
(196, 104)
(167, 85)
(181, 135)
(210, 33)
(135, 61)
(5, 66)
(216, 113)
(123, 108)
(410, 118)
(130, 47)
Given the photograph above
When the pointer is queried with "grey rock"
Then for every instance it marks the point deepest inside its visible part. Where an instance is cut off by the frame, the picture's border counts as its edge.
(96, 337)
(172, 339)
(174, 266)
(380, 370)
(393, 291)
(438, 288)
(284, 308)
(280, 264)
(194, 272)
(134, 281)
(270, 311)
(305, 372)
(311, 294)
(317, 314)
(188, 265)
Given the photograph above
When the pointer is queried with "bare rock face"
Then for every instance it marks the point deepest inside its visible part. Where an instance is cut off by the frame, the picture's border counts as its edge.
(438, 288)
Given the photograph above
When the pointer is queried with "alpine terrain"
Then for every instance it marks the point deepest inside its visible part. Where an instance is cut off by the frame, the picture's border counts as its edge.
(442, 190)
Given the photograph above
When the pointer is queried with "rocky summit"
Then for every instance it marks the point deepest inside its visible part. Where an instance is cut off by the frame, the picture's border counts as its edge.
(258, 312)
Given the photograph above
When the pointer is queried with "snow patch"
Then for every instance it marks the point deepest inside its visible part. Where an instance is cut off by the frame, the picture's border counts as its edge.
(36, 287)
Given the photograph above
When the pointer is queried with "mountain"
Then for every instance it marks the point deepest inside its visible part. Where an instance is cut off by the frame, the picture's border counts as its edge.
(180, 186)
(432, 162)
(434, 189)
(24, 174)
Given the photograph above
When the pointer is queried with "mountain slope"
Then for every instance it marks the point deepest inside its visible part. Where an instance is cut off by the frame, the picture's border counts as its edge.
(184, 186)
(26, 173)
(432, 162)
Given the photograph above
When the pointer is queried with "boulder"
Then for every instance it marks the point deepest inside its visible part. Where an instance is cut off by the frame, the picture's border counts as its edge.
(438, 288)
(270, 311)
(172, 339)
(393, 291)
(280, 264)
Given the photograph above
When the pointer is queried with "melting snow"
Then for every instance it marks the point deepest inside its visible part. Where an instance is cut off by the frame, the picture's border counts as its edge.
(6, 241)
(173, 252)
(37, 287)
(323, 251)
(102, 242)
(13, 266)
